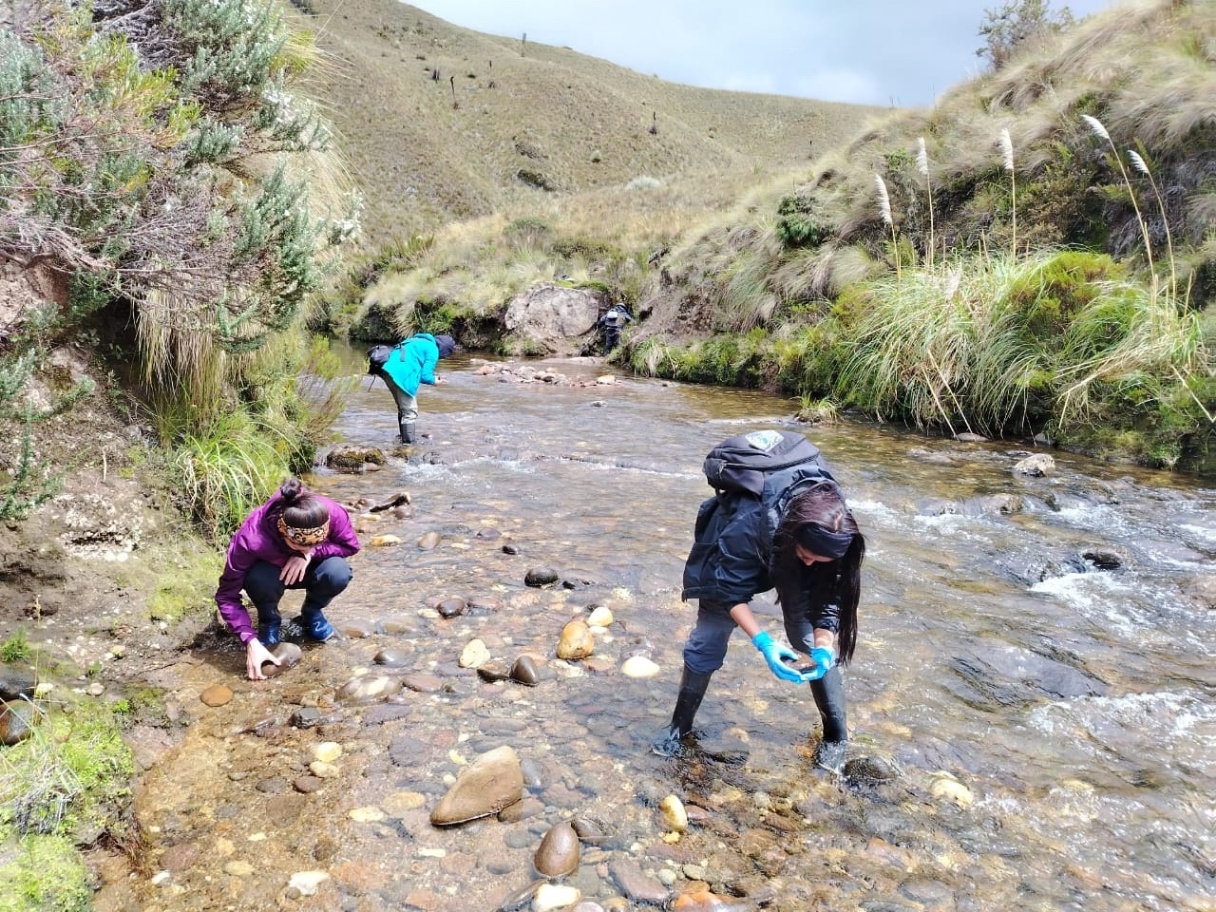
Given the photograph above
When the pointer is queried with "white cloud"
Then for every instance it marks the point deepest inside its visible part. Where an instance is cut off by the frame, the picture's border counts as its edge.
(865, 51)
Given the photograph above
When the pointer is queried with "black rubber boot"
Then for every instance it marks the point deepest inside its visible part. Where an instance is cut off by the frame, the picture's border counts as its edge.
(407, 432)
(828, 692)
(692, 690)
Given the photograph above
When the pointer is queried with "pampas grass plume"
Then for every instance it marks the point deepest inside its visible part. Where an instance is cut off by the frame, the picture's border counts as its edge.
(922, 157)
(1007, 148)
(1138, 162)
(1096, 126)
(884, 200)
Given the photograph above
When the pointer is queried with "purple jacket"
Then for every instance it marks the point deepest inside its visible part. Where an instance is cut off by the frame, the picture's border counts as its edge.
(258, 539)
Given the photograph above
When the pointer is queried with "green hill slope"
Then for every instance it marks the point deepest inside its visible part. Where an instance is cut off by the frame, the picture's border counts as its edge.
(440, 123)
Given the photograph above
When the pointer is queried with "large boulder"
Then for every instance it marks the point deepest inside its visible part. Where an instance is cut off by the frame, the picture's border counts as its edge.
(549, 319)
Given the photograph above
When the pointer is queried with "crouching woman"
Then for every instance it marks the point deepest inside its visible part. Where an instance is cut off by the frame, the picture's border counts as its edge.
(296, 540)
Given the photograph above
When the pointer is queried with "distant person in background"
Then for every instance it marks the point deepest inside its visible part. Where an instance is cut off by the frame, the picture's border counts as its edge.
(296, 540)
(409, 364)
(612, 323)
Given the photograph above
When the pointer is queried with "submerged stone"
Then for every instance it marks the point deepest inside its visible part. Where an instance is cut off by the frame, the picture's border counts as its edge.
(486, 786)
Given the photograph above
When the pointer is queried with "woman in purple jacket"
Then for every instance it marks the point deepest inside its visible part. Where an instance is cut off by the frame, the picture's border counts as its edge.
(296, 540)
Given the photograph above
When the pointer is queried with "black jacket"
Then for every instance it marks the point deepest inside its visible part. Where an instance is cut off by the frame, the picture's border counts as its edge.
(731, 560)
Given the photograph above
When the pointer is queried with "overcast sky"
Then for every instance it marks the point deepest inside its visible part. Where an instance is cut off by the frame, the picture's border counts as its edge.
(866, 51)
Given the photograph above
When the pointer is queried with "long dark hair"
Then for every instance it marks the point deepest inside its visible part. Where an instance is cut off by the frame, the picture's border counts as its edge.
(300, 507)
(823, 506)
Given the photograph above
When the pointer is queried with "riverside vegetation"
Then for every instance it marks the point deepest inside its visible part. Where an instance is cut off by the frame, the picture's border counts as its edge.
(1034, 255)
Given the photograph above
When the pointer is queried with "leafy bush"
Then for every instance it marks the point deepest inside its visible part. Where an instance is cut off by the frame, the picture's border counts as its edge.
(796, 224)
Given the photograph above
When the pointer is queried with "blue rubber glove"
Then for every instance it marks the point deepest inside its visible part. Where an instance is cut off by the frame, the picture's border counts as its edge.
(774, 654)
(823, 659)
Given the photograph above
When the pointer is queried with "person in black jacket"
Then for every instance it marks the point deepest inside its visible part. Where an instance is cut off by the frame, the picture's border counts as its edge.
(813, 560)
(612, 323)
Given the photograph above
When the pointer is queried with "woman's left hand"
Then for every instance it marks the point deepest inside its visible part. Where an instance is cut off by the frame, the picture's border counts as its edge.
(824, 661)
(293, 571)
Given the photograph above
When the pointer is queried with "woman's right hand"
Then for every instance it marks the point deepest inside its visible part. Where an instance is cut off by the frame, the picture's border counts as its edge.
(256, 655)
(776, 655)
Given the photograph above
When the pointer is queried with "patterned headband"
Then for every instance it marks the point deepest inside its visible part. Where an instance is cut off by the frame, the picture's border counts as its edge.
(304, 537)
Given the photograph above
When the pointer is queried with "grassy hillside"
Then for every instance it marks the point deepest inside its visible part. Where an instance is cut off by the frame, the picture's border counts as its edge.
(1033, 256)
(508, 126)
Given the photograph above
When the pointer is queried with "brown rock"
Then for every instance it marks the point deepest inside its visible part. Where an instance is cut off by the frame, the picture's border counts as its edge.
(16, 723)
(288, 654)
(576, 641)
(524, 671)
(559, 851)
(486, 786)
(216, 695)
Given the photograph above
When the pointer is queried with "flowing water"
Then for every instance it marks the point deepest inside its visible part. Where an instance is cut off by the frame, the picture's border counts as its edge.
(1031, 702)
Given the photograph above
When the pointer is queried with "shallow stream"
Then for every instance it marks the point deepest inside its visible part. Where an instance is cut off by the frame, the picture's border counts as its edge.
(1031, 676)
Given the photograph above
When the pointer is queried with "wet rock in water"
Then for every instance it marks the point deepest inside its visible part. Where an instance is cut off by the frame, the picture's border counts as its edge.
(474, 654)
(601, 616)
(359, 628)
(521, 810)
(1103, 559)
(510, 549)
(326, 751)
(705, 901)
(550, 897)
(540, 576)
(451, 607)
(674, 814)
(524, 671)
(484, 604)
(288, 654)
(587, 906)
(16, 682)
(422, 682)
(636, 884)
(486, 786)
(639, 667)
(429, 541)
(945, 787)
(382, 541)
(306, 882)
(351, 460)
(216, 695)
(391, 658)
(869, 770)
(16, 722)
(489, 534)
(576, 641)
(407, 750)
(367, 687)
(308, 717)
(306, 785)
(275, 785)
(493, 672)
(559, 851)
(1039, 465)
(588, 830)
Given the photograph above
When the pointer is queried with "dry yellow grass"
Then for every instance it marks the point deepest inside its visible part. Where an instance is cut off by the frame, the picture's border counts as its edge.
(431, 151)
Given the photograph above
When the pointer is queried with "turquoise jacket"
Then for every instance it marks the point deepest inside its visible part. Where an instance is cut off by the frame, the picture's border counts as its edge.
(413, 361)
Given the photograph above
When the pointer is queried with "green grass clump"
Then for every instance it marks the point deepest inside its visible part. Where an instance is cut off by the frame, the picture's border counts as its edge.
(47, 874)
(16, 648)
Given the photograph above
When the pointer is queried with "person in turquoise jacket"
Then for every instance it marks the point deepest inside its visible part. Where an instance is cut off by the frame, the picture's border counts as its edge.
(412, 363)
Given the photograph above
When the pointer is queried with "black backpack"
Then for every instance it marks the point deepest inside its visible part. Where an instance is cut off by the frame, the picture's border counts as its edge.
(377, 357)
(742, 464)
